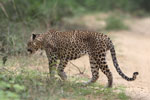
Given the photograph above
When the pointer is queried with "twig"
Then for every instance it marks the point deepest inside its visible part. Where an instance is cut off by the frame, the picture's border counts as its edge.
(81, 72)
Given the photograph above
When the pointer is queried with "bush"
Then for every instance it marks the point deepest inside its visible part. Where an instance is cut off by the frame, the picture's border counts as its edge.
(115, 23)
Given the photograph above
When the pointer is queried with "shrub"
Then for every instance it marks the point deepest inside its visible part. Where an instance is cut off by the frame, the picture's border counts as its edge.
(115, 23)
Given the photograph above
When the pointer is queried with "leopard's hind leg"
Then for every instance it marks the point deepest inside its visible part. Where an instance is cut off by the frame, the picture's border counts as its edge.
(104, 68)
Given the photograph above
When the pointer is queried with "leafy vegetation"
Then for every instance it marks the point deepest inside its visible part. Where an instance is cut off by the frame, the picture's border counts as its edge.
(23, 83)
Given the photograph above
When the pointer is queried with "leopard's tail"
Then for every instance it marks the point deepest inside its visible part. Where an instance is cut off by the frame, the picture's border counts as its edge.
(115, 62)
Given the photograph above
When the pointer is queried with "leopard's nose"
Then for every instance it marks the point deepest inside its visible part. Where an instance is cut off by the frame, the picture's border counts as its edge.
(29, 50)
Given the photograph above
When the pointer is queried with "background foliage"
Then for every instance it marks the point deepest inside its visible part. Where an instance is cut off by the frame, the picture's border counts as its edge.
(18, 18)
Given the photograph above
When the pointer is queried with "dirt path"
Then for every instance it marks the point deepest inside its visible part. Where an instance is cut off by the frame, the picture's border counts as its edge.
(133, 54)
(134, 46)
(134, 51)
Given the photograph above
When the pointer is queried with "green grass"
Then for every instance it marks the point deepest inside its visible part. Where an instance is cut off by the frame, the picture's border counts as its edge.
(24, 83)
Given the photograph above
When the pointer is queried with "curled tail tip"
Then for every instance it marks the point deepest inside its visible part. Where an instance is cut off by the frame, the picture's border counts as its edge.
(134, 76)
(136, 73)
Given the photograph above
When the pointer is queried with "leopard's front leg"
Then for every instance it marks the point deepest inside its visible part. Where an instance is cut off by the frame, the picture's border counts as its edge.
(61, 68)
(52, 66)
(52, 58)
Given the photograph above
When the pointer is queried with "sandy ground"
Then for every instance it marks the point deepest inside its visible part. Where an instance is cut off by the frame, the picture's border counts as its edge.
(132, 48)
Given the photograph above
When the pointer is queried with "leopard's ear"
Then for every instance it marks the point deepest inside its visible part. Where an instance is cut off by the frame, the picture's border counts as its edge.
(33, 36)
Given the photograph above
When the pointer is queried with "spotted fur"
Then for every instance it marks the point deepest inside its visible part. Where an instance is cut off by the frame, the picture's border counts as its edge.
(70, 45)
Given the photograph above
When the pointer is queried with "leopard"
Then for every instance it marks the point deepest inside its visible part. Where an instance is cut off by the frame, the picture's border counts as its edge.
(73, 44)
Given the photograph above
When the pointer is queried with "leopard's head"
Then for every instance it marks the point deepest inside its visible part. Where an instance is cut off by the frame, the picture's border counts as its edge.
(35, 43)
